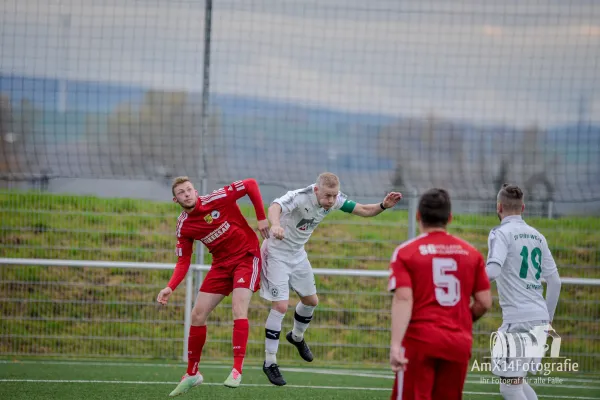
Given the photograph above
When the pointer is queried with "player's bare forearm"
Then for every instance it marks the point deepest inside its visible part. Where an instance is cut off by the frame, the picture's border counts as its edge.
(367, 210)
(482, 303)
(401, 312)
(274, 213)
(371, 210)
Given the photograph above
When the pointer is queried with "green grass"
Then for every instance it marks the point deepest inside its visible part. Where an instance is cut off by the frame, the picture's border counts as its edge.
(38, 225)
(58, 226)
(125, 381)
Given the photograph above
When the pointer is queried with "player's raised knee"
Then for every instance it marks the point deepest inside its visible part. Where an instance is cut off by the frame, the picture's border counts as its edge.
(280, 306)
(311, 301)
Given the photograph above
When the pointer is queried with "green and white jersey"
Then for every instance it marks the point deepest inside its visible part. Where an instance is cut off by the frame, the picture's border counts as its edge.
(524, 257)
(300, 215)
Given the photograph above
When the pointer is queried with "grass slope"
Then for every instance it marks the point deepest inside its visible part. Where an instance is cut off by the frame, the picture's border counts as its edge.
(353, 319)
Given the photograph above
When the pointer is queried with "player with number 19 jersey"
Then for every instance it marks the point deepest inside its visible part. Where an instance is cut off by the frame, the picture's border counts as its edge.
(524, 256)
(444, 272)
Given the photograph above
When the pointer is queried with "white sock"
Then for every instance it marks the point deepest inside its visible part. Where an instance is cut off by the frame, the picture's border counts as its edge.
(302, 318)
(512, 392)
(529, 392)
(272, 331)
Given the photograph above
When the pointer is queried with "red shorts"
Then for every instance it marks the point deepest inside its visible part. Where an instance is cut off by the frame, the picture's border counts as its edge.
(429, 378)
(241, 273)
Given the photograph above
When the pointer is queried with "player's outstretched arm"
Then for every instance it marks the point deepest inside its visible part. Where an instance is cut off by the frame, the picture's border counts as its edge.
(274, 218)
(371, 210)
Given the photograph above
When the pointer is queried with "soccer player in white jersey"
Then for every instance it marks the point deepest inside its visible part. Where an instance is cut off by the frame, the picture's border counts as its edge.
(518, 258)
(293, 218)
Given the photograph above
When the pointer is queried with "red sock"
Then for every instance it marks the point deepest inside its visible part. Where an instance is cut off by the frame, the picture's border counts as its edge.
(239, 341)
(195, 344)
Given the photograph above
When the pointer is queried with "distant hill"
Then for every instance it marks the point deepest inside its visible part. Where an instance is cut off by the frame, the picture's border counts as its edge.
(290, 142)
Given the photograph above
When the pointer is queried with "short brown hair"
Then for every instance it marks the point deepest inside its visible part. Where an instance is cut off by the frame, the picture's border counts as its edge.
(435, 208)
(178, 181)
(511, 197)
(328, 180)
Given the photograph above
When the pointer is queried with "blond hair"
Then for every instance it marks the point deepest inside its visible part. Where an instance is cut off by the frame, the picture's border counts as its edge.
(178, 181)
(328, 180)
(511, 198)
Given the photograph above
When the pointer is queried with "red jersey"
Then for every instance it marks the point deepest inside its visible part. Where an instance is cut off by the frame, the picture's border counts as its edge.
(218, 223)
(443, 272)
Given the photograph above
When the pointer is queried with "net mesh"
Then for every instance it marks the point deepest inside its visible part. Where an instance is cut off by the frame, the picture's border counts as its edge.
(403, 95)
(114, 97)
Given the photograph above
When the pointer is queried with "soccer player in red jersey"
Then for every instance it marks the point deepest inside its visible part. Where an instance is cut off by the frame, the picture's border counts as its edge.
(216, 220)
(433, 277)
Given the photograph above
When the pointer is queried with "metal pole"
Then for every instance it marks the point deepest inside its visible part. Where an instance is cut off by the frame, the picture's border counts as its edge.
(205, 84)
(187, 320)
(550, 209)
(205, 104)
(413, 201)
(200, 250)
(65, 34)
(198, 278)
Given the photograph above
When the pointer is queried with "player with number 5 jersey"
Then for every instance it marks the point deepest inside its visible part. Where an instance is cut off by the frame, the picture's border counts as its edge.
(434, 277)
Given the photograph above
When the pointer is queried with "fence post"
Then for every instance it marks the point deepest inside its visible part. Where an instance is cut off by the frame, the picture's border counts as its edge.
(199, 277)
(200, 251)
(187, 319)
(413, 201)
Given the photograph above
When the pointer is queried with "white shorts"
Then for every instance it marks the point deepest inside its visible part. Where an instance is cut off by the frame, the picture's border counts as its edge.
(517, 347)
(278, 276)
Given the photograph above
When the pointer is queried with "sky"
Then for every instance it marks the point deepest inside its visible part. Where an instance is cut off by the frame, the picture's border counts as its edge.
(516, 61)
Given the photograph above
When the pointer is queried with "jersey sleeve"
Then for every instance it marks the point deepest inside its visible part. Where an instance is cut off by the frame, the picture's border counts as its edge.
(183, 250)
(548, 263)
(399, 275)
(343, 203)
(482, 282)
(238, 189)
(497, 247)
(288, 202)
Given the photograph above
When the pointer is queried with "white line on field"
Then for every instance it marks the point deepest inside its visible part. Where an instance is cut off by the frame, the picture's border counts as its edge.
(175, 383)
(322, 371)
(257, 385)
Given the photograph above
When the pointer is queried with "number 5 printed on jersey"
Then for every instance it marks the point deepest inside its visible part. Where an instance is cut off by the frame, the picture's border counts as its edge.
(447, 286)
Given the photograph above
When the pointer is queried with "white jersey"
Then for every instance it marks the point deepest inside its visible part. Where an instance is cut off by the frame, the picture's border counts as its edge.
(524, 257)
(300, 215)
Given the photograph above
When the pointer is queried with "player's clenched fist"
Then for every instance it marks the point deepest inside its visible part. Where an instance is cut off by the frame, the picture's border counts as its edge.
(163, 295)
(278, 232)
